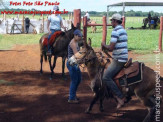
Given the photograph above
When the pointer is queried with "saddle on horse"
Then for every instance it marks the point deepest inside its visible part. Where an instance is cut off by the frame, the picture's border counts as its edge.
(52, 38)
(130, 74)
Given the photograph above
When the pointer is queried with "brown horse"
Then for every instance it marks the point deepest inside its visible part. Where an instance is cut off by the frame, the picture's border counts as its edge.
(59, 49)
(145, 90)
(93, 27)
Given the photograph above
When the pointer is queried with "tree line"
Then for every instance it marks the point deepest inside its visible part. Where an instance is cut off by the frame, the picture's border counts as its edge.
(130, 13)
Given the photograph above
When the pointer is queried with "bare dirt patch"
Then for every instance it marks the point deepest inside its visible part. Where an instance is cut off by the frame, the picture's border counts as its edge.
(27, 96)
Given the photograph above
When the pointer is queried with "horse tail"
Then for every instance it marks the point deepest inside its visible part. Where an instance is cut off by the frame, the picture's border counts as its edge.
(45, 56)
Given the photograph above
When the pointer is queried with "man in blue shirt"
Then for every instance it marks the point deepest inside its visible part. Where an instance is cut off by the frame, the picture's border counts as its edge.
(118, 47)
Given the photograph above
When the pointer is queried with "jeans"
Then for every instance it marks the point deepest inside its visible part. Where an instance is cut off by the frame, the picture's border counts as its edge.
(109, 74)
(27, 28)
(52, 32)
(75, 75)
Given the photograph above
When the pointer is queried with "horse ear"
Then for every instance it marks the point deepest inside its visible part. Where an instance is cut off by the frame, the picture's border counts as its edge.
(78, 25)
(86, 45)
(72, 26)
(89, 42)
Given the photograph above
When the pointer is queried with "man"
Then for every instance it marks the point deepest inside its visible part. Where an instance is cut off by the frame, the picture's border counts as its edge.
(27, 24)
(118, 45)
(88, 17)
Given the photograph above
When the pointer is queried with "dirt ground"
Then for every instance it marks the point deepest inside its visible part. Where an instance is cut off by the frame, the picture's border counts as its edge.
(27, 96)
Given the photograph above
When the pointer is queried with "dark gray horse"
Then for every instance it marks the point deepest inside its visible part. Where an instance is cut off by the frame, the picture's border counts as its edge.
(59, 49)
(146, 21)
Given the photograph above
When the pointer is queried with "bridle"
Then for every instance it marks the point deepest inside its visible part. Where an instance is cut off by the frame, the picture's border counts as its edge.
(85, 59)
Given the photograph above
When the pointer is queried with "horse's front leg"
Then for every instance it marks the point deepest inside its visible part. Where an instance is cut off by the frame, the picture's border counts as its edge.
(63, 66)
(101, 104)
(51, 68)
(96, 97)
(54, 62)
(41, 61)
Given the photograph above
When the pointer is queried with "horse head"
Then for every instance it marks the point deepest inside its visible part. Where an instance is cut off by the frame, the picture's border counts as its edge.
(84, 55)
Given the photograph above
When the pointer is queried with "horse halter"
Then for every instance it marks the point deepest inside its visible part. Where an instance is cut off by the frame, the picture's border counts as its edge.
(85, 58)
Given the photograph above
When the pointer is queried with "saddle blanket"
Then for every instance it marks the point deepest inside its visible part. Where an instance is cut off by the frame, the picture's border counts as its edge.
(133, 80)
(52, 38)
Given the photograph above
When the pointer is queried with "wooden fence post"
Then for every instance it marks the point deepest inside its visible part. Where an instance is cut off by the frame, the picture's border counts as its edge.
(85, 28)
(42, 23)
(123, 21)
(7, 27)
(23, 24)
(77, 18)
(104, 29)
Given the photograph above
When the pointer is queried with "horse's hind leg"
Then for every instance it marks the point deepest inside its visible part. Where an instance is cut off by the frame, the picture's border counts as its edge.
(41, 61)
(96, 97)
(149, 102)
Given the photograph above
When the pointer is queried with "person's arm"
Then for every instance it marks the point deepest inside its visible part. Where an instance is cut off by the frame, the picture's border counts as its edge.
(113, 41)
(108, 47)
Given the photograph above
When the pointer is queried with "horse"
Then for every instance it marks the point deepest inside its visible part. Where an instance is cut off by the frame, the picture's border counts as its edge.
(148, 20)
(92, 27)
(59, 49)
(144, 91)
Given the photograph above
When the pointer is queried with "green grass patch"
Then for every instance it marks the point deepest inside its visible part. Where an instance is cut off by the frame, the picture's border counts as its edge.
(8, 41)
(139, 41)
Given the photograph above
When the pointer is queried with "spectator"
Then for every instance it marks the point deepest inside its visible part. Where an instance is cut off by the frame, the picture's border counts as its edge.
(27, 24)
(88, 17)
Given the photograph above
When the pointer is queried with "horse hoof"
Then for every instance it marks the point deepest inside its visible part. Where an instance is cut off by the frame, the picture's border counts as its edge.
(41, 72)
(87, 112)
(64, 78)
(101, 109)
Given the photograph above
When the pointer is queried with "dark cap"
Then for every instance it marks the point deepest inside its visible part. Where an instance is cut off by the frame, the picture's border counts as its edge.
(78, 32)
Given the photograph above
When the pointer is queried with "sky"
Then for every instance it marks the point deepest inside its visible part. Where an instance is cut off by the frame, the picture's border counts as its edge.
(84, 5)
